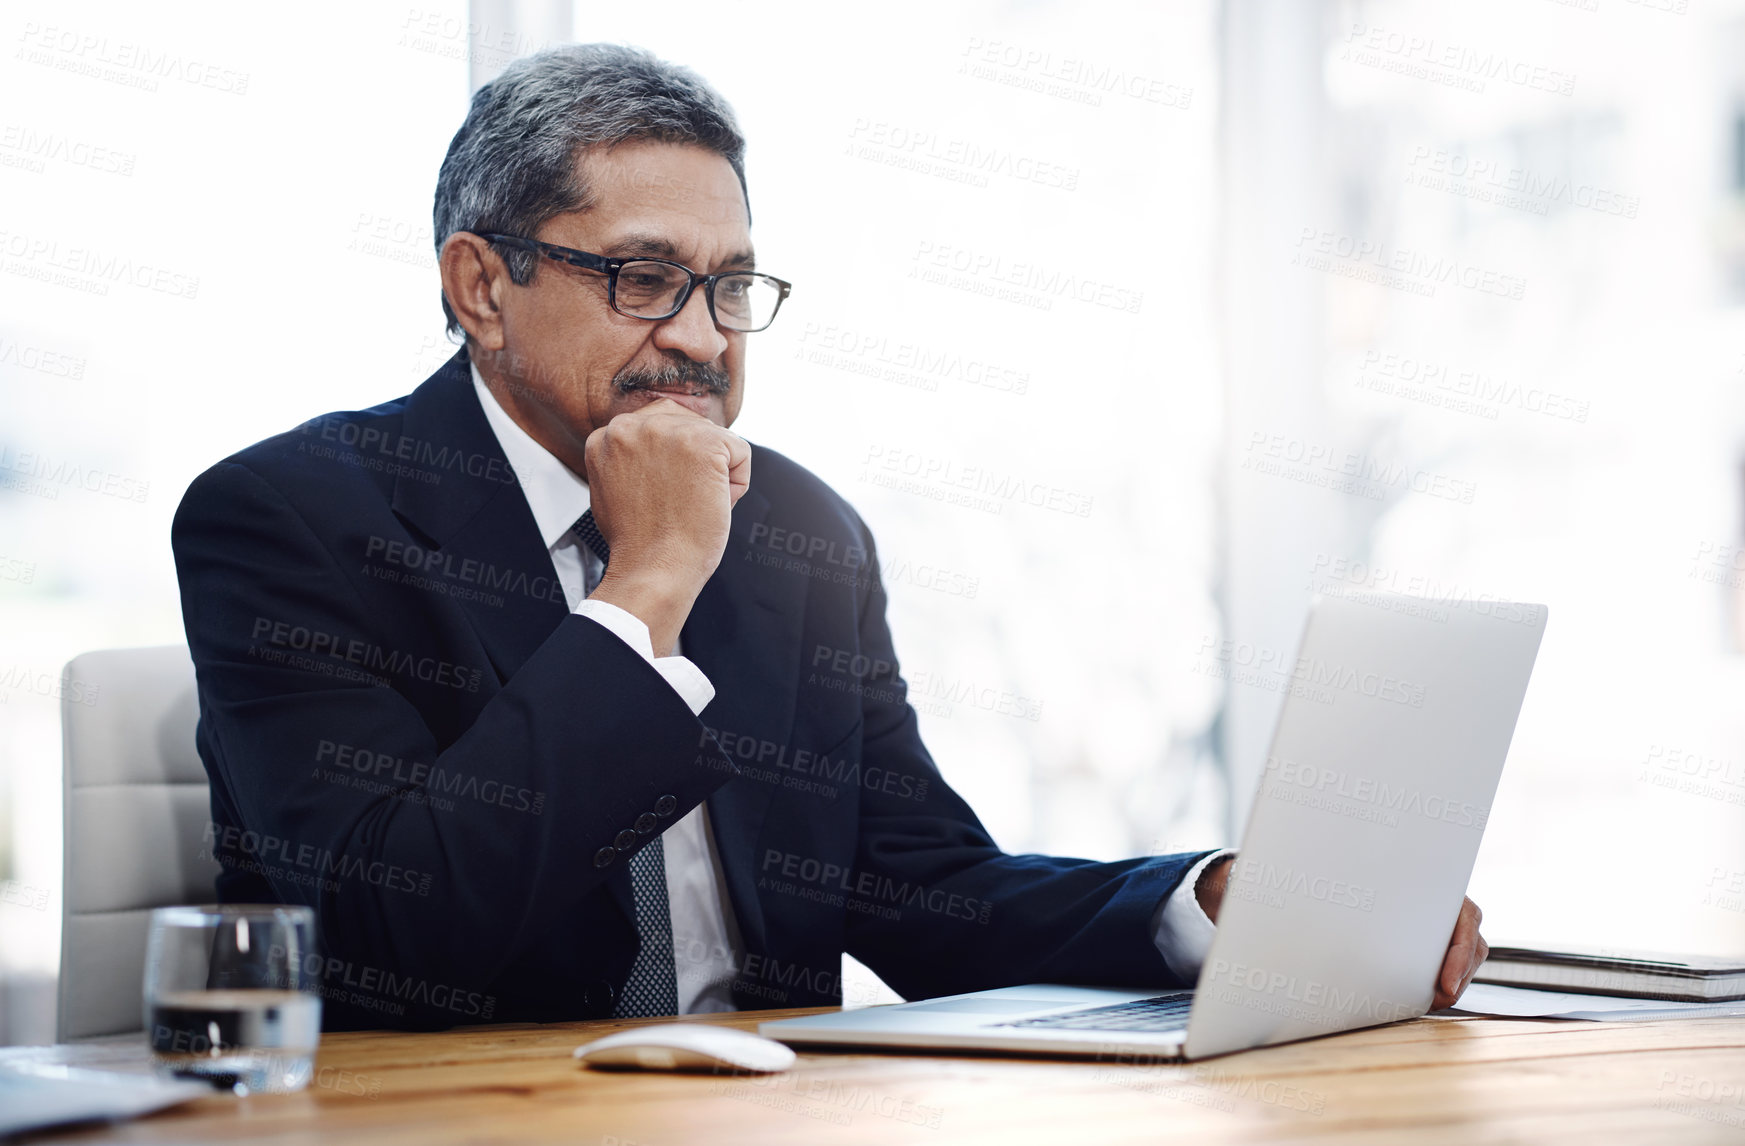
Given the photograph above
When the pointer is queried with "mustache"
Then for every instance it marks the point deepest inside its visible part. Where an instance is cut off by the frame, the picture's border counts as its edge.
(707, 376)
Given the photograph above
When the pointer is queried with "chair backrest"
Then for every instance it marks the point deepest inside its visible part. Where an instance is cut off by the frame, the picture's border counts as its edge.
(135, 807)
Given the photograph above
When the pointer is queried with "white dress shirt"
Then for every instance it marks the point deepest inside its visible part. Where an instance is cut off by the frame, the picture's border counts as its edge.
(705, 937)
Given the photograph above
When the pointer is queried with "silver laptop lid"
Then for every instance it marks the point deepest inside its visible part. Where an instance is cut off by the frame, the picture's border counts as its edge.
(1367, 820)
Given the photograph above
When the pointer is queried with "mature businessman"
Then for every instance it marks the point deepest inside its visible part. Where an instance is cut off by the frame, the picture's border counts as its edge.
(514, 680)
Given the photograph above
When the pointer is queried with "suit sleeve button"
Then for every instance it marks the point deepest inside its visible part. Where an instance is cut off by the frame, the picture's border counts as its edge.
(598, 996)
(665, 806)
(626, 840)
(645, 823)
(604, 857)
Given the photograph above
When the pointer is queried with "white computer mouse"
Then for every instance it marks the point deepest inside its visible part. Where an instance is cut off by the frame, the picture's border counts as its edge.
(686, 1046)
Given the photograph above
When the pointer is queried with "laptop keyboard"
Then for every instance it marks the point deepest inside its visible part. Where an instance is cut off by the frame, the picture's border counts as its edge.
(1164, 1013)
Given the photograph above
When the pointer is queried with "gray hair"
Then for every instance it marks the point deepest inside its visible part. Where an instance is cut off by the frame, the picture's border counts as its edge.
(512, 165)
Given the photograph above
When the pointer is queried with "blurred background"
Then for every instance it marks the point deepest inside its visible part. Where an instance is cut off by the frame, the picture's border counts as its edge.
(1126, 326)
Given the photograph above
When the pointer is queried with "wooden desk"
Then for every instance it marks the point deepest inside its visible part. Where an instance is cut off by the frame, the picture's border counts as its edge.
(1429, 1081)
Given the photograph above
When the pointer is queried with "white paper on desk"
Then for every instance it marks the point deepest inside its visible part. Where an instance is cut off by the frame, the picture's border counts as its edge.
(1526, 1003)
(35, 1095)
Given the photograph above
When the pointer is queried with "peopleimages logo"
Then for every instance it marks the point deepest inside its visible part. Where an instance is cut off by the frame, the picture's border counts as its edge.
(122, 61)
(376, 448)
(874, 354)
(1299, 997)
(1418, 271)
(1268, 884)
(1510, 186)
(89, 269)
(1464, 390)
(1047, 283)
(47, 476)
(392, 774)
(1316, 673)
(1292, 780)
(859, 890)
(301, 638)
(960, 160)
(1330, 466)
(275, 857)
(825, 559)
(945, 476)
(463, 572)
(48, 684)
(1450, 63)
(344, 981)
(1080, 80)
(751, 751)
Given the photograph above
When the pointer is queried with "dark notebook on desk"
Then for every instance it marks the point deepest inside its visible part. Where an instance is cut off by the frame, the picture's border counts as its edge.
(1638, 974)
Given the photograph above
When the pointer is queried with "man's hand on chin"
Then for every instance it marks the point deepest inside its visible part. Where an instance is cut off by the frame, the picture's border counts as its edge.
(662, 482)
(1466, 947)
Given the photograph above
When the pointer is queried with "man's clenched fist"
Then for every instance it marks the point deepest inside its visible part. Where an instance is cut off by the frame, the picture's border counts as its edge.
(663, 481)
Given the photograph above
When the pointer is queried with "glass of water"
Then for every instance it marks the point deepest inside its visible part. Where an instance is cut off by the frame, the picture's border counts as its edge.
(231, 995)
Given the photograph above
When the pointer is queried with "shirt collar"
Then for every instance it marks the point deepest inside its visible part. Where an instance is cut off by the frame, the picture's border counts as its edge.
(554, 493)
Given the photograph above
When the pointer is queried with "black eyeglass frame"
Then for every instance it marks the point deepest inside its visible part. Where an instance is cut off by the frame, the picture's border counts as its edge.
(610, 267)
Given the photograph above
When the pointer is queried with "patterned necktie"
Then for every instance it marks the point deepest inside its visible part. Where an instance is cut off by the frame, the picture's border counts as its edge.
(592, 537)
(652, 988)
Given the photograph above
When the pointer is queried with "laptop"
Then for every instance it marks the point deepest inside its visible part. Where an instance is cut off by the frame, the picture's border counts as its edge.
(1366, 822)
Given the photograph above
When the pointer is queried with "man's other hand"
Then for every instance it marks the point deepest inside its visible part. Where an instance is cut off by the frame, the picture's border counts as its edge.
(1466, 947)
(1209, 888)
(1466, 950)
(663, 481)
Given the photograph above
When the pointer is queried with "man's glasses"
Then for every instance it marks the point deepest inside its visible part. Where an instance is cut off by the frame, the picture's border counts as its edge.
(654, 289)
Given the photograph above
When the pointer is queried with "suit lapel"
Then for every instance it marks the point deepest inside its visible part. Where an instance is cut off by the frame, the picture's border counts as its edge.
(476, 512)
(744, 633)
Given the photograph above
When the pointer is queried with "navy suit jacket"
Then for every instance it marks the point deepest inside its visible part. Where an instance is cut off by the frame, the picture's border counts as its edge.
(406, 729)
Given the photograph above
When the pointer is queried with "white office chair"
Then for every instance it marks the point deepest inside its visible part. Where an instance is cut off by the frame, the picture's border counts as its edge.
(133, 816)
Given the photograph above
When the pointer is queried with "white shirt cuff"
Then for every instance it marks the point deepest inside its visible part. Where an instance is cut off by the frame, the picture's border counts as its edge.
(686, 678)
(1181, 929)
